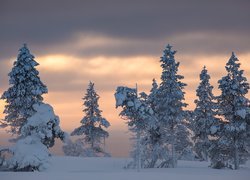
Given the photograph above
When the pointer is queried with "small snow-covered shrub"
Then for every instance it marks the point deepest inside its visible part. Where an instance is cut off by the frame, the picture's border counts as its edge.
(78, 148)
(4, 154)
(29, 154)
(73, 148)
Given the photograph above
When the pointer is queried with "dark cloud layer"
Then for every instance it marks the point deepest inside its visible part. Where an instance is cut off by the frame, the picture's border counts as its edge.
(47, 24)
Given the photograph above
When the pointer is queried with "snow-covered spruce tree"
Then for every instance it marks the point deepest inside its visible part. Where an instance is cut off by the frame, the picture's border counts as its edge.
(25, 91)
(233, 108)
(92, 124)
(139, 117)
(170, 96)
(204, 116)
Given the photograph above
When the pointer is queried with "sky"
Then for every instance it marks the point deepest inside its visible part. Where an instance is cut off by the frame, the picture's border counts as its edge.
(119, 43)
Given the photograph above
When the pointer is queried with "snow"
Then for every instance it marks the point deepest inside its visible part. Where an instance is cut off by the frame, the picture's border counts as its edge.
(43, 123)
(213, 129)
(130, 104)
(65, 168)
(119, 99)
(29, 151)
(242, 113)
(44, 113)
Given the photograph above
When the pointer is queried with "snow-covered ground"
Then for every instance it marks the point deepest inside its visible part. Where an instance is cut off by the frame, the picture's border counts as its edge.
(67, 168)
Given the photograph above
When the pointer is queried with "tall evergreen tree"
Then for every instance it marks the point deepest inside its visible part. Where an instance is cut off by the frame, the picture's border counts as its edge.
(170, 96)
(92, 123)
(25, 91)
(204, 115)
(233, 108)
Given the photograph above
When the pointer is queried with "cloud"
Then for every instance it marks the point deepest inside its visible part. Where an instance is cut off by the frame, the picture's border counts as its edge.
(107, 72)
(123, 28)
(211, 43)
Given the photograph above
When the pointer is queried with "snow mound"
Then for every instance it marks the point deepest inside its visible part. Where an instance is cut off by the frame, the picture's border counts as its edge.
(65, 168)
(29, 153)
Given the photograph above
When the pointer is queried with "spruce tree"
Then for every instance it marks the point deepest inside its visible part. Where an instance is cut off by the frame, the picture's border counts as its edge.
(92, 123)
(204, 115)
(233, 109)
(25, 91)
(170, 96)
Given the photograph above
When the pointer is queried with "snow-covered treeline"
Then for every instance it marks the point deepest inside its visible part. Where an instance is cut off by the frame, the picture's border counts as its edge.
(216, 131)
(164, 131)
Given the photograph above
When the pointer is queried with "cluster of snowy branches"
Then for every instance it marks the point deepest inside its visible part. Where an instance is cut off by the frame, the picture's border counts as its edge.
(221, 124)
(217, 129)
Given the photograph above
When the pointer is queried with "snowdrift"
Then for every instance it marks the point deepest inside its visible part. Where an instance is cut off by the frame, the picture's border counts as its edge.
(66, 168)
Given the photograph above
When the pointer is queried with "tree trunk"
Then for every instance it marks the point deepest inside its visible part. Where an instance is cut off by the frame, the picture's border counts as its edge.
(92, 140)
(174, 161)
(206, 156)
(138, 138)
(104, 145)
(152, 163)
(236, 155)
(206, 149)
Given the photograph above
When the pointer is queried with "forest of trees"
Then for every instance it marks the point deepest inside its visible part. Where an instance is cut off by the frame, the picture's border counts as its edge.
(217, 130)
